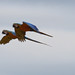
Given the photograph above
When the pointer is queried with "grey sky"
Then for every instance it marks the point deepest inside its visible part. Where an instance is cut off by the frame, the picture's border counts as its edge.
(58, 14)
(33, 59)
(56, 17)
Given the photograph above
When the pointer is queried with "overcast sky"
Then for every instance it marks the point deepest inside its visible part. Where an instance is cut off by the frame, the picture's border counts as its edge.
(55, 17)
(51, 13)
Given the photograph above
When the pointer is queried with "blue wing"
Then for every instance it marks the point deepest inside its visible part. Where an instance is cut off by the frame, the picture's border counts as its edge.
(32, 26)
(13, 33)
(36, 29)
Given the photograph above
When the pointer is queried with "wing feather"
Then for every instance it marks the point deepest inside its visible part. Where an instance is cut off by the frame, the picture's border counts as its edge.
(5, 39)
(36, 29)
(31, 26)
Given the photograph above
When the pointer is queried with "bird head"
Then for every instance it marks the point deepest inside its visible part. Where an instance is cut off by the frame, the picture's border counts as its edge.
(5, 32)
(16, 25)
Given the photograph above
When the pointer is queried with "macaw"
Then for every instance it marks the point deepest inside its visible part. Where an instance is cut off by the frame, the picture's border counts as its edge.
(9, 35)
(21, 29)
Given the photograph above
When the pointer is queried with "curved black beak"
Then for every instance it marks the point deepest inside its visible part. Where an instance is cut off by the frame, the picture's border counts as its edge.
(13, 25)
(3, 33)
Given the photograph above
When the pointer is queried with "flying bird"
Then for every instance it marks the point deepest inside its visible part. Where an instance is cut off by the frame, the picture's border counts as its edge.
(21, 29)
(9, 35)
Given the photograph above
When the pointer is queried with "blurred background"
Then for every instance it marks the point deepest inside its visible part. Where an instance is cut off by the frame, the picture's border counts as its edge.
(55, 17)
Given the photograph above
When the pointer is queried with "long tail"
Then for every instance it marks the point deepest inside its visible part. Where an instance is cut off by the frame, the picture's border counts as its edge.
(36, 41)
(44, 33)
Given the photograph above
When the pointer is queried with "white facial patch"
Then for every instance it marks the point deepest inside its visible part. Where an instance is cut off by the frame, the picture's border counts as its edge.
(16, 25)
(5, 32)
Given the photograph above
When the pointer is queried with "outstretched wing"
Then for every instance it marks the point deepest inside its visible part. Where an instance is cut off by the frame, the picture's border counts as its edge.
(36, 41)
(5, 39)
(29, 25)
(33, 27)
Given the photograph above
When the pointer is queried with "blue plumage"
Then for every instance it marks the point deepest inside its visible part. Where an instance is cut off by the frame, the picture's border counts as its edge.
(14, 33)
(36, 29)
(32, 26)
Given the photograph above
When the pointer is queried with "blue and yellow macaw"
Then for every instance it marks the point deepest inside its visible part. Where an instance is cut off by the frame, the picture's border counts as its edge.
(21, 29)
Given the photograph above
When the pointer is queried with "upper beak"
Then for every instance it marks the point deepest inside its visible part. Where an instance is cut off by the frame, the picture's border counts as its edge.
(3, 33)
(13, 25)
